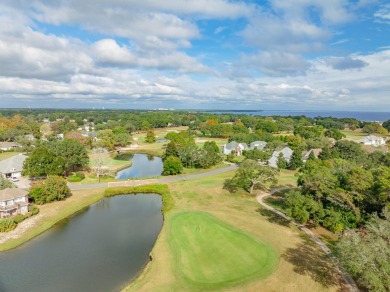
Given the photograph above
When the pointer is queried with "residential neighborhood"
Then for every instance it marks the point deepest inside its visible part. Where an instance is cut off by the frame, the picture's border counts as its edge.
(13, 202)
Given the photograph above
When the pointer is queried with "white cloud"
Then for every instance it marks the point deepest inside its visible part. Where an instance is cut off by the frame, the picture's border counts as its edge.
(383, 14)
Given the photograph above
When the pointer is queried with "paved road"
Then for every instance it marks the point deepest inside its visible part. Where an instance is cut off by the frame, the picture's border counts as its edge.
(347, 278)
(167, 179)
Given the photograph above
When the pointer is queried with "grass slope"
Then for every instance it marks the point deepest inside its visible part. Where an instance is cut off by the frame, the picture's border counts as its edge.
(212, 254)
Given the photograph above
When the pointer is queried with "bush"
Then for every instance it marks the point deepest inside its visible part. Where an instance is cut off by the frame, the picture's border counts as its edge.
(172, 166)
(52, 189)
(19, 218)
(74, 178)
(80, 175)
(7, 224)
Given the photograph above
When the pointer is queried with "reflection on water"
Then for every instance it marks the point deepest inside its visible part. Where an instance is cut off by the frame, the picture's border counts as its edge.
(100, 249)
(143, 166)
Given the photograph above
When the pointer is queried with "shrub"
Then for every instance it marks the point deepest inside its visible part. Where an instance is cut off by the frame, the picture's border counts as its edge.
(7, 224)
(52, 189)
(19, 218)
(172, 165)
(74, 178)
(80, 175)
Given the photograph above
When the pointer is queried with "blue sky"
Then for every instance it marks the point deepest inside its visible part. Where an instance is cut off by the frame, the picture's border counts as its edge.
(276, 54)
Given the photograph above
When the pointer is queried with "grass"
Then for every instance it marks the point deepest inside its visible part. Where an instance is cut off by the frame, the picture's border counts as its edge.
(354, 135)
(287, 178)
(302, 265)
(5, 155)
(211, 254)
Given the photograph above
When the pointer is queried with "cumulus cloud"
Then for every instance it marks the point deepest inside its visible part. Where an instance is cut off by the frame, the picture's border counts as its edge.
(276, 63)
(345, 63)
(383, 14)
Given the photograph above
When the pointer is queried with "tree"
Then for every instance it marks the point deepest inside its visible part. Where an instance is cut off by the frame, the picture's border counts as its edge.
(281, 162)
(325, 154)
(106, 139)
(74, 153)
(5, 183)
(296, 160)
(150, 137)
(171, 150)
(250, 176)
(211, 154)
(386, 125)
(366, 255)
(43, 162)
(350, 151)
(172, 166)
(54, 188)
(334, 133)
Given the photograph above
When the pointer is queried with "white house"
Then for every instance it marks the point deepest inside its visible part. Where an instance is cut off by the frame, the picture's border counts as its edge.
(234, 146)
(373, 141)
(12, 167)
(273, 161)
(13, 202)
(7, 146)
(257, 144)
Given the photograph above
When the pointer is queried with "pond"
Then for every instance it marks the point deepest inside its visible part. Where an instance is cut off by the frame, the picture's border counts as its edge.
(99, 249)
(143, 166)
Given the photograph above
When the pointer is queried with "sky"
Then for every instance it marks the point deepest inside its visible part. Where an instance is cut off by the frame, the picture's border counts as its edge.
(196, 54)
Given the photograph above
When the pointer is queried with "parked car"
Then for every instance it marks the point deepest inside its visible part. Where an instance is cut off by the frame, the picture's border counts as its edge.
(14, 179)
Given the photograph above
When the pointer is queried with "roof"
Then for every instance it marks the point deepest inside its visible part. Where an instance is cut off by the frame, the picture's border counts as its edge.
(14, 162)
(258, 144)
(233, 145)
(316, 152)
(9, 194)
(286, 151)
(370, 138)
(9, 144)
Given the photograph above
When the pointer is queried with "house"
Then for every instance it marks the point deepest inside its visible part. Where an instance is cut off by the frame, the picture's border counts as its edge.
(7, 146)
(13, 202)
(286, 151)
(306, 154)
(372, 141)
(234, 146)
(12, 167)
(257, 144)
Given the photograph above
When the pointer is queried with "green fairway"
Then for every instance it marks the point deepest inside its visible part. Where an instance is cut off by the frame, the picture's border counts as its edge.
(212, 254)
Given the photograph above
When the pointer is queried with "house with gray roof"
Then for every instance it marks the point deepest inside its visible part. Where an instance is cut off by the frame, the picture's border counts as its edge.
(306, 154)
(372, 141)
(286, 151)
(7, 146)
(234, 146)
(12, 167)
(257, 144)
(13, 202)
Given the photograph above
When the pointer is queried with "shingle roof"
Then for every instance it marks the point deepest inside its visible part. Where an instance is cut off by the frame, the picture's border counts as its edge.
(15, 162)
(259, 144)
(9, 194)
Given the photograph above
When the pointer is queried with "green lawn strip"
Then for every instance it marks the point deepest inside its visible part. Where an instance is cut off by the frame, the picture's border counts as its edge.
(49, 221)
(5, 155)
(211, 254)
(163, 190)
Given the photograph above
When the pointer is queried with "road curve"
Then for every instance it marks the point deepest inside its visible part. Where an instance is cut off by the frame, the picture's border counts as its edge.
(347, 278)
(167, 179)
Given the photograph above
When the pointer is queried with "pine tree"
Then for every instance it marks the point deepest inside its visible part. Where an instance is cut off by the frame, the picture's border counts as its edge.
(311, 156)
(150, 137)
(281, 163)
(295, 160)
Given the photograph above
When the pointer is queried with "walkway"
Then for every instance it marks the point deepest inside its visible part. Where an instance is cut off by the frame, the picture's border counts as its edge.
(347, 278)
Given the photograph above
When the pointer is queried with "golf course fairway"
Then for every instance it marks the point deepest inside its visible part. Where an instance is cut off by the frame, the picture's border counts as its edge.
(212, 254)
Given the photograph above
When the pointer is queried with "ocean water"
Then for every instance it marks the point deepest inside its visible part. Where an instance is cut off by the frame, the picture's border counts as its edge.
(361, 116)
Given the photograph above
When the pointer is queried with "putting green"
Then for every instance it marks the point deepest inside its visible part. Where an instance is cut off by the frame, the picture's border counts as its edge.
(212, 254)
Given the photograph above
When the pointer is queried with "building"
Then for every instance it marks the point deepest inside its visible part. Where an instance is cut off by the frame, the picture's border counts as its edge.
(286, 151)
(306, 154)
(13, 202)
(12, 167)
(7, 146)
(234, 146)
(257, 144)
(372, 141)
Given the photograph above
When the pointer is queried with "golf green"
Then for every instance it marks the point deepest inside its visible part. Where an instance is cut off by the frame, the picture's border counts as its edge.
(209, 253)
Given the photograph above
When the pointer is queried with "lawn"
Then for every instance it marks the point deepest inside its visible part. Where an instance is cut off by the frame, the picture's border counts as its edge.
(212, 254)
(302, 266)
(287, 178)
(354, 135)
(5, 155)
